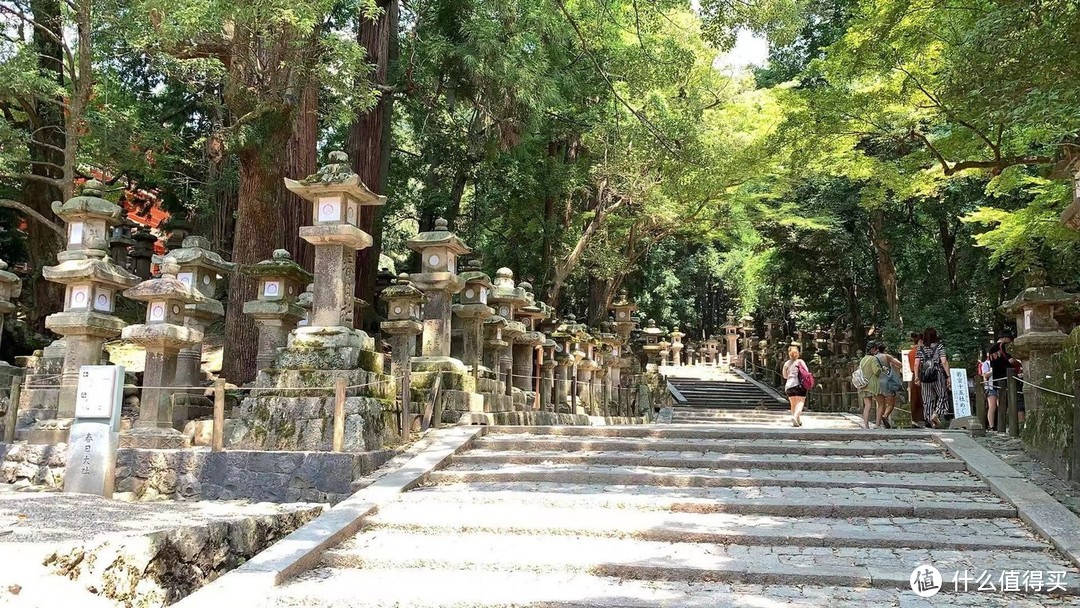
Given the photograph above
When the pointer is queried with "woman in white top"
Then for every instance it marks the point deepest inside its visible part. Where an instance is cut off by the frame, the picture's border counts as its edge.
(793, 388)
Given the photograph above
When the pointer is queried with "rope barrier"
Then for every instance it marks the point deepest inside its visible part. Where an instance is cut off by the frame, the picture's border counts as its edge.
(1044, 389)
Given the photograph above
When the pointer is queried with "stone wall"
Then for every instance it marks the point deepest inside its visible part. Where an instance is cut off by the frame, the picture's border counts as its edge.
(163, 567)
(199, 474)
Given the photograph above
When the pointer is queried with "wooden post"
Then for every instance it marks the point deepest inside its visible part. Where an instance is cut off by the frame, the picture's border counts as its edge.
(1014, 401)
(1074, 454)
(12, 414)
(217, 443)
(339, 415)
(980, 401)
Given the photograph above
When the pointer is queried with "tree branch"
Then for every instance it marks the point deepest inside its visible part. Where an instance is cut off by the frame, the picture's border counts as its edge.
(10, 204)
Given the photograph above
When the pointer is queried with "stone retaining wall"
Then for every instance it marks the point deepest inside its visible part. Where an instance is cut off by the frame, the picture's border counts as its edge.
(163, 567)
(199, 474)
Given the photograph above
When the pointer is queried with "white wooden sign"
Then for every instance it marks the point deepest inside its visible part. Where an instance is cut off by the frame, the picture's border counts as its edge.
(100, 391)
(961, 399)
(909, 374)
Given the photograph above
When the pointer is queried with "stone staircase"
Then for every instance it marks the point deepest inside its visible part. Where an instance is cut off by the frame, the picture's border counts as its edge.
(682, 516)
(713, 396)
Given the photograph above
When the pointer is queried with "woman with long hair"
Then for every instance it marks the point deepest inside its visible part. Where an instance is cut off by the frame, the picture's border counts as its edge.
(914, 392)
(932, 376)
(890, 384)
(793, 387)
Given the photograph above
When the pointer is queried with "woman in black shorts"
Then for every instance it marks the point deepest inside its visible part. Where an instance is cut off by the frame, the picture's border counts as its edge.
(793, 388)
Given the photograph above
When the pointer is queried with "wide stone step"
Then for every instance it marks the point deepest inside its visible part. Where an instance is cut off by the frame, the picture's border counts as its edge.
(379, 588)
(901, 463)
(667, 561)
(723, 528)
(704, 478)
(700, 432)
(770, 500)
(698, 446)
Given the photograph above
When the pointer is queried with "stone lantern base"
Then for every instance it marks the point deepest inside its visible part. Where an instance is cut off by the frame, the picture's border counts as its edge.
(293, 409)
(462, 395)
(324, 348)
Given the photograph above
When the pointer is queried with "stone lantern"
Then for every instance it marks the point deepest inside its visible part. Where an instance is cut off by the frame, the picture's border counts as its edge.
(438, 279)
(665, 352)
(526, 346)
(92, 282)
(712, 348)
(676, 346)
(10, 288)
(276, 307)
(651, 343)
(731, 335)
(120, 242)
(623, 311)
(404, 320)
(306, 300)
(1039, 335)
(200, 269)
(142, 252)
(473, 310)
(494, 342)
(336, 195)
(162, 335)
(506, 298)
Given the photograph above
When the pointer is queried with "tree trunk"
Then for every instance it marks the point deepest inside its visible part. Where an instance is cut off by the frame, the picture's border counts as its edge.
(300, 162)
(886, 268)
(47, 139)
(851, 293)
(948, 246)
(368, 143)
(600, 291)
(258, 229)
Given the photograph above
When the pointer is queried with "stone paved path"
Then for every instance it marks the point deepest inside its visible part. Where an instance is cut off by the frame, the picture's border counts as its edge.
(1011, 450)
(688, 516)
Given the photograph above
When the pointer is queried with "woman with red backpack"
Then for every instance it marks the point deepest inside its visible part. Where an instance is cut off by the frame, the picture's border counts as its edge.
(799, 381)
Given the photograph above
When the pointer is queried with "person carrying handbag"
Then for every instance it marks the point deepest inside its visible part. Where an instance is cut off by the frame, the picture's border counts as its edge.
(890, 384)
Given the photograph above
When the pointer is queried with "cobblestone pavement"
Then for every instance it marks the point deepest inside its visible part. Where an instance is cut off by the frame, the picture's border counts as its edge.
(1011, 450)
(531, 519)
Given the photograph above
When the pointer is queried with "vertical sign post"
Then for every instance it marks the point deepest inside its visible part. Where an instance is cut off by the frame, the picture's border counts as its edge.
(908, 373)
(95, 433)
(961, 400)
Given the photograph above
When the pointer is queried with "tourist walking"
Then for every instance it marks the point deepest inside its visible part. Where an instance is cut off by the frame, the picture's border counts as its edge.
(999, 362)
(914, 391)
(890, 384)
(932, 376)
(870, 369)
(794, 369)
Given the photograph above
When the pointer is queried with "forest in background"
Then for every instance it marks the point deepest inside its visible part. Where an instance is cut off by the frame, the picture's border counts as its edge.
(896, 164)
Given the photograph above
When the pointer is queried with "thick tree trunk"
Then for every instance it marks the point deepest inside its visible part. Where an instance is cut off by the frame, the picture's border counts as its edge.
(948, 246)
(300, 162)
(258, 229)
(886, 268)
(851, 294)
(369, 145)
(46, 142)
(600, 291)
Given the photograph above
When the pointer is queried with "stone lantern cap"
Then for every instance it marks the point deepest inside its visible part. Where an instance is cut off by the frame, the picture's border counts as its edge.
(1039, 296)
(166, 287)
(167, 290)
(89, 205)
(505, 292)
(280, 265)
(403, 291)
(10, 288)
(651, 328)
(474, 276)
(91, 264)
(676, 335)
(336, 177)
(439, 237)
(195, 251)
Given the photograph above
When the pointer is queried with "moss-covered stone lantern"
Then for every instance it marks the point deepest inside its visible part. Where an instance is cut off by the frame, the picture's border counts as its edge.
(91, 280)
(10, 288)
(162, 335)
(276, 307)
(1040, 337)
(438, 250)
(473, 310)
(404, 320)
